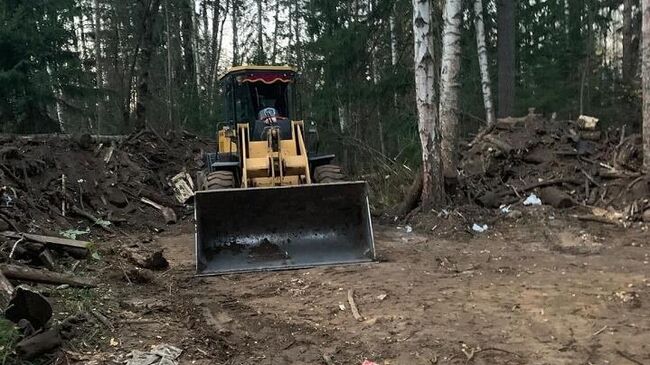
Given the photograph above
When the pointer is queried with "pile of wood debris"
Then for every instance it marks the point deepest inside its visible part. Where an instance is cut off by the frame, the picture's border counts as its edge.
(59, 193)
(564, 163)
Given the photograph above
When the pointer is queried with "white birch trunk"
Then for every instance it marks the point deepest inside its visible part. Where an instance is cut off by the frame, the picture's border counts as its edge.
(486, 84)
(449, 85)
(646, 83)
(393, 47)
(98, 68)
(425, 77)
(393, 38)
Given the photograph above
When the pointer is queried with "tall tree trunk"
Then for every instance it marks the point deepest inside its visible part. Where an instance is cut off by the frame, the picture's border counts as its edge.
(235, 27)
(628, 52)
(393, 47)
(296, 24)
(276, 21)
(486, 84)
(169, 72)
(260, 57)
(187, 11)
(150, 13)
(218, 22)
(425, 81)
(506, 57)
(449, 85)
(646, 84)
(290, 58)
(98, 67)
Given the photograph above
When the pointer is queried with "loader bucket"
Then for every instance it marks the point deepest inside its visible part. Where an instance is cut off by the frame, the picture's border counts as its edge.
(289, 227)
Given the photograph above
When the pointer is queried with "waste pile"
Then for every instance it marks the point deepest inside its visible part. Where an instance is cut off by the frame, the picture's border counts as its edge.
(50, 183)
(60, 192)
(559, 163)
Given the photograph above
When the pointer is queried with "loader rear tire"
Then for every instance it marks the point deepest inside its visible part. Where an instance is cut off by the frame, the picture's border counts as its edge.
(219, 180)
(327, 174)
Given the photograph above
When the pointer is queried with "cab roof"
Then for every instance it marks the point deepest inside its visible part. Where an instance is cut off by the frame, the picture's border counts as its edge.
(256, 68)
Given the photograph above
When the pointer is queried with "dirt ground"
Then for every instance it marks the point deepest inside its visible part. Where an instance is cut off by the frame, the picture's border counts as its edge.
(557, 291)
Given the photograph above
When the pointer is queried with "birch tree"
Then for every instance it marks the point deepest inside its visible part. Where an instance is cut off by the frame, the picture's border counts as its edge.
(449, 85)
(98, 69)
(646, 83)
(483, 62)
(427, 110)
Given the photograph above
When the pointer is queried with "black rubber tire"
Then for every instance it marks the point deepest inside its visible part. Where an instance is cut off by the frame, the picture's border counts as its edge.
(326, 174)
(219, 180)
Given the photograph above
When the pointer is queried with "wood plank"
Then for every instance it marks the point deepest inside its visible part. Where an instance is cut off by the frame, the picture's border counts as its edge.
(25, 273)
(48, 239)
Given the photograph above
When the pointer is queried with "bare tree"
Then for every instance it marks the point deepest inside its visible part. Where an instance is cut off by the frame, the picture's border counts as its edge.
(628, 53)
(260, 32)
(235, 19)
(646, 84)
(483, 62)
(425, 80)
(506, 57)
(98, 68)
(393, 46)
(150, 13)
(449, 85)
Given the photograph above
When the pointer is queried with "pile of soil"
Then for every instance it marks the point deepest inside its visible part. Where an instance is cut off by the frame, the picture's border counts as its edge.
(105, 180)
(564, 163)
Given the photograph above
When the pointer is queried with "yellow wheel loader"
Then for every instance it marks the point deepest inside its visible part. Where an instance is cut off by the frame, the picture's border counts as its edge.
(266, 199)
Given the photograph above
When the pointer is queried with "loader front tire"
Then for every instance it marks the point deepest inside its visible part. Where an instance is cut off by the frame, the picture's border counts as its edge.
(219, 180)
(327, 174)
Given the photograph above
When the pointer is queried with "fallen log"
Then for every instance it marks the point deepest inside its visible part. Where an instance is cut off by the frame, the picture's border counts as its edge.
(25, 273)
(75, 248)
(97, 138)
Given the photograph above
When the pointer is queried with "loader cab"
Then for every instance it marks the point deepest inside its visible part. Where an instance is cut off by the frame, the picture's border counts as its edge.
(248, 90)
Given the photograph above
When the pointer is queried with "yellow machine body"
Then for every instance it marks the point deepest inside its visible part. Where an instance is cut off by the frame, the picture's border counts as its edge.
(275, 215)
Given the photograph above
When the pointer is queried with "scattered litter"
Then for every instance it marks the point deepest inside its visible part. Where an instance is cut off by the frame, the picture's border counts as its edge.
(408, 229)
(368, 362)
(532, 200)
(342, 307)
(159, 355)
(587, 123)
(382, 296)
(479, 228)
(505, 209)
(74, 233)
